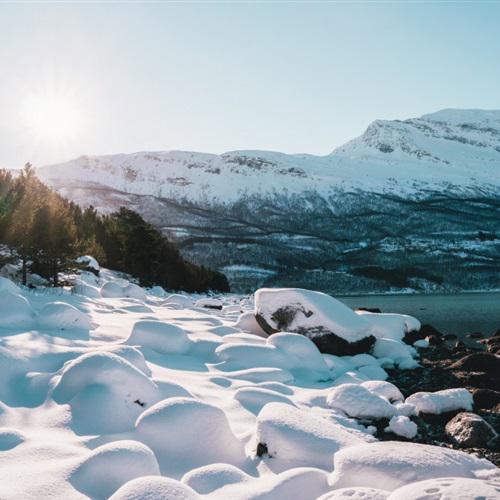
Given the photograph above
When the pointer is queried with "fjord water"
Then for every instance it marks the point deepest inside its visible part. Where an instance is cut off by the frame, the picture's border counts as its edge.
(458, 313)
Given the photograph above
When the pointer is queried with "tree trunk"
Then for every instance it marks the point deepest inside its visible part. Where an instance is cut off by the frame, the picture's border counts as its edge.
(24, 270)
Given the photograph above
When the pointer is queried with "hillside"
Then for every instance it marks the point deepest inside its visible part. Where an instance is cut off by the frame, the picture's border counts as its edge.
(409, 204)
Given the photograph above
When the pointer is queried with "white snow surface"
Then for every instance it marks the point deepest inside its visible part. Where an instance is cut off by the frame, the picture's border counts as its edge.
(128, 395)
(441, 401)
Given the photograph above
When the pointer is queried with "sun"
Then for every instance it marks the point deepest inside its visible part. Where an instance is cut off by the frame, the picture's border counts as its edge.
(53, 117)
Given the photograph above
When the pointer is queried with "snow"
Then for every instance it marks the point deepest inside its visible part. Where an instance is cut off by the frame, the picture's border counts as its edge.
(386, 325)
(441, 401)
(62, 316)
(15, 311)
(358, 401)
(209, 303)
(111, 465)
(89, 262)
(127, 394)
(299, 437)
(186, 433)
(310, 311)
(448, 488)
(401, 425)
(162, 337)
(357, 493)
(391, 464)
(6, 285)
(155, 488)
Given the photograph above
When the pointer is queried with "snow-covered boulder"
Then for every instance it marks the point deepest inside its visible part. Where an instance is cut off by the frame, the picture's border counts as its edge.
(112, 290)
(355, 493)
(448, 488)
(385, 389)
(185, 433)
(155, 488)
(255, 398)
(389, 325)
(89, 262)
(211, 477)
(15, 311)
(209, 303)
(400, 353)
(161, 337)
(178, 300)
(63, 316)
(330, 324)
(157, 291)
(391, 464)
(247, 323)
(359, 402)
(111, 465)
(6, 285)
(134, 291)
(401, 425)
(301, 437)
(86, 290)
(441, 401)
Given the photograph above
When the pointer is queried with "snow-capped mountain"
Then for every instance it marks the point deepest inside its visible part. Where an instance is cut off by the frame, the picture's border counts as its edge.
(428, 186)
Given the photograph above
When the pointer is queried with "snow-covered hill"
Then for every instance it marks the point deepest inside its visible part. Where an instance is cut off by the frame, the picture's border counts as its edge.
(441, 171)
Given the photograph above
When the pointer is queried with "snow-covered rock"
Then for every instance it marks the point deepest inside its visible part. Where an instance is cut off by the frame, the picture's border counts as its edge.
(469, 430)
(86, 290)
(359, 402)
(111, 465)
(89, 262)
(333, 327)
(391, 464)
(385, 389)
(15, 311)
(389, 325)
(162, 337)
(441, 401)
(63, 316)
(185, 433)
(247, 323)
(448, 488)
(134, 291)
(178, 300)
(209, 303)
(402, 426)
(112, 290)
(209, 478)
(399, 352)
(300, 437)
(155, 488)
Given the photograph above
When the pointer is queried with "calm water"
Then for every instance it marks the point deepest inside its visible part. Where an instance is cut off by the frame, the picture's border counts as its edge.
(449, 313)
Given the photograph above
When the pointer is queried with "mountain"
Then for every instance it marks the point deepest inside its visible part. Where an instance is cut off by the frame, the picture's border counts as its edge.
(408, 204)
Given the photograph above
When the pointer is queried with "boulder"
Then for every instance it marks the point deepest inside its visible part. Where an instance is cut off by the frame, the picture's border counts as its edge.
(485, 398)
(479, 362)
(330, 324)
(469, 430)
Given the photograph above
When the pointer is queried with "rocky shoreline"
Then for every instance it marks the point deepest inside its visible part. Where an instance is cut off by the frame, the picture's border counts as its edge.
(448, 363)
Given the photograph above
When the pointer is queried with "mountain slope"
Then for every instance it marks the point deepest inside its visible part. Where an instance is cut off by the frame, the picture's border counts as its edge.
(409, 198)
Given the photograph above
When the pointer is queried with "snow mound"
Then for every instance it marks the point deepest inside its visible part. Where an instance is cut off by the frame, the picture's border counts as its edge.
(300, 437)
(157, 291)
(359, 402)
(130, 353)
(374, 372)
(134, 291)
(289, 485)
(398, 352)
(358, 493)
(110, 466)
(441, 401)
(254, 398)
(240, 337)
(392, 464)
(252, 355)
(89, 262)
(186, 433)
(86, 290)
(155, 488)
(161, 337)
(402, 426)
(448, 488)
(63, 316)
(209, 303)
(209, 478)
(15, 311)
(389, 325)
(178, 300)
(6, 285)
(296, 310)
(10, 438)
(112, 290)
(247, 323)
(384, 389)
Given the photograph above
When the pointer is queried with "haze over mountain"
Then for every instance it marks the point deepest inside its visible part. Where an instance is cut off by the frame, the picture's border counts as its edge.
(409, 204)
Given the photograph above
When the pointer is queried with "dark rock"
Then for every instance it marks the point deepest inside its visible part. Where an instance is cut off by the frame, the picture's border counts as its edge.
(460, 347)
(469, 430)
(330, 343)
(427, 330)
(262, 450)
(496, 334)
(369, 309)
(485, 398)
(434, 340)
(475, 335)
(450, 336)
(412, 336)
(479, 362)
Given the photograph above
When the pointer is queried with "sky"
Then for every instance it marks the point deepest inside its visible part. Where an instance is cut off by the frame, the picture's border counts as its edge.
(299, 77)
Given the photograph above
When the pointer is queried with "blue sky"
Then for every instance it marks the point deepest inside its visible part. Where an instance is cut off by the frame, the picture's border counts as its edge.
(287, 76)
